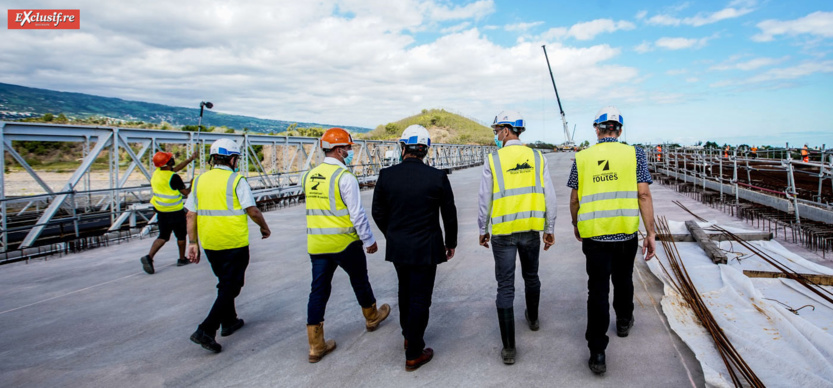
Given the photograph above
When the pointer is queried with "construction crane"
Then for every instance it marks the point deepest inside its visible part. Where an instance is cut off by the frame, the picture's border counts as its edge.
(568, 143)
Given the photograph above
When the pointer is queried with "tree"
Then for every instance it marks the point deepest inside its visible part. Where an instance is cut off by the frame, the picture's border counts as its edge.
(584, 144)
(48, 117)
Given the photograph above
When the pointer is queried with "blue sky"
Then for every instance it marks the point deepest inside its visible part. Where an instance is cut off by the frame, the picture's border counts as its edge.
(738, 71)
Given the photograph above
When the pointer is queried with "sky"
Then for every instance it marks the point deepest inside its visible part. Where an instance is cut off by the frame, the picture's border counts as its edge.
(738, 71)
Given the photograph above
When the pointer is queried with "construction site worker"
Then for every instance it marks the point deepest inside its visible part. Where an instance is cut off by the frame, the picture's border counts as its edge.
(169, 194)
(337, 226)
(753, 152)
(218, 206)
(726, 152)
(517, 198)
(659, 153)
(610, 189)
(805, 154)
(408, 200)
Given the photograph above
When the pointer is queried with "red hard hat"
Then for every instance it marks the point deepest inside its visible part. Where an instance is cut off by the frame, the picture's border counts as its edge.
(161, 158)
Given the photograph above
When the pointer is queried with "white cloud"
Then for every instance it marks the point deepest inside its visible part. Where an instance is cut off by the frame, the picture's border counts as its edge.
(641, 15)
(522, 26)
(692, 80)
(677, 72)
(347, 62)
(705, 18)
(456, 28)
(751, 64)
(644, 47)
(817, 24)
(587, 30)
(780, 74)
(681, 43)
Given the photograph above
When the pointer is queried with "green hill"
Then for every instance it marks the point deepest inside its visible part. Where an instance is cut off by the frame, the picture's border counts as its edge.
(20, 102)
(444, 127)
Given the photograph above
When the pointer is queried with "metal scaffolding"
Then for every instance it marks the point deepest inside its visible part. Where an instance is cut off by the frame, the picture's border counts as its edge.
(273, 166)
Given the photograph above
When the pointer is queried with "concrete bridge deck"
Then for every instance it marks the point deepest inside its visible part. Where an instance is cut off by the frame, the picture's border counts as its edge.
(94, 319)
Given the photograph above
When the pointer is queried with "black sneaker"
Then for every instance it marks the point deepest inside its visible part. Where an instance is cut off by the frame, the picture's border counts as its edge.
(597, 363)
(229, 330)
(181, 262)
(623, 327)
(206, 341)
(147, 264)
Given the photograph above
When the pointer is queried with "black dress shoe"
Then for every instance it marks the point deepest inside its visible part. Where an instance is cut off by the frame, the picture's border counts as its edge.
(147, 264)
(623, 327)
(181, 262)
(597, 363)
(230, 329)
(206, 341)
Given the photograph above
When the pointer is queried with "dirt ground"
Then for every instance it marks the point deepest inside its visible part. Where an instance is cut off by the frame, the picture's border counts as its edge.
(21, 183)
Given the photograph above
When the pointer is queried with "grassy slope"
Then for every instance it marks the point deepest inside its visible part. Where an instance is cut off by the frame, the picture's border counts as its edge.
(444, 127)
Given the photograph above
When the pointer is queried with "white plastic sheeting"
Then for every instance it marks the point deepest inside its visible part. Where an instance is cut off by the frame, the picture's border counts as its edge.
(783, 348)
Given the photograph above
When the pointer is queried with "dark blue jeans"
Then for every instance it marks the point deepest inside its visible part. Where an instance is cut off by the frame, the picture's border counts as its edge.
(416, 286)
(229, 265)
(353, 261)
(505, 248)
(606, 262)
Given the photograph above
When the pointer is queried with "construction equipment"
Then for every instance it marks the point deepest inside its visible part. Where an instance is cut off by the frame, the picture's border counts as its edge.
(568, 143)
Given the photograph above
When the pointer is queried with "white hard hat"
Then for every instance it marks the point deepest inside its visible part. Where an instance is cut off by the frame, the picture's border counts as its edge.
(224, 147)
(415, 134)
(608, 113)
(510, 117)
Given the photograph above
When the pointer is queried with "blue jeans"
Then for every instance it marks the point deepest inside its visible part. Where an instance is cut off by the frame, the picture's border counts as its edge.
(504, 248)
(354, 262)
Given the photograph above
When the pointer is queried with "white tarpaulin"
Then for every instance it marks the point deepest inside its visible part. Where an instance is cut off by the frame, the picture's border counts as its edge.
(783, 348)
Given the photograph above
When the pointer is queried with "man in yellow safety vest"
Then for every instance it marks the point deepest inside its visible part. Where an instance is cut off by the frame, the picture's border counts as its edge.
(337, 227)
(169, 193)
(517, 198)
(220, 202)
(610, 189)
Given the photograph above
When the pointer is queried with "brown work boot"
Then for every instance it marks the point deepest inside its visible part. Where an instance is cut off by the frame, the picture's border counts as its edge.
(318, 348)
(412, 365)
(374, 317)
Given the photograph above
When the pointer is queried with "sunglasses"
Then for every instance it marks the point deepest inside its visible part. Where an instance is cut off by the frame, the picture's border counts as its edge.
(500, 128)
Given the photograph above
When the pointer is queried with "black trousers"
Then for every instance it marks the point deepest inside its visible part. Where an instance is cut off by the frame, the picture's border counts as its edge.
(229, 265)
(606, 262)
(416, 286)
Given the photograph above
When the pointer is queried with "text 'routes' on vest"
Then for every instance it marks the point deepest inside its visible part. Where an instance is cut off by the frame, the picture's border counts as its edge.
(604, 176)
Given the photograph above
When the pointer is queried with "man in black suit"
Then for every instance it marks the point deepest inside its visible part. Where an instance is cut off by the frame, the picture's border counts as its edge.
(407, 203)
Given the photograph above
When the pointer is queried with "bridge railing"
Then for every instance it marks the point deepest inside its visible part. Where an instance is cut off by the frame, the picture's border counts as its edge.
(273, 165)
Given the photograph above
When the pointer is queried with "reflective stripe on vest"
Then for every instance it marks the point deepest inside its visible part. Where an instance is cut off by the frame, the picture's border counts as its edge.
(607, 190)
(329, 229)
(165, 199)
(518, 203)
(221, 221)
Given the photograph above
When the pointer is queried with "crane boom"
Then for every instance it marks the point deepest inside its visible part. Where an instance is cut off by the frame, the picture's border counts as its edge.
(567, 135)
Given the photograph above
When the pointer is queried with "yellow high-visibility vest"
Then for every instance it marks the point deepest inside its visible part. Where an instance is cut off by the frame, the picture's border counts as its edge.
(221, 221)
(329, 229)
(607, 190)
(517, 190)
(165, 199)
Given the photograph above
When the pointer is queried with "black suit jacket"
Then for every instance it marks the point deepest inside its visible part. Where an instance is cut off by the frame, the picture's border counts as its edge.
(407, 202)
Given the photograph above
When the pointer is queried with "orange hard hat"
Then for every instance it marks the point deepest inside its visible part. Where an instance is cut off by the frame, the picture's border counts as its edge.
(335, 137)
(161, 158)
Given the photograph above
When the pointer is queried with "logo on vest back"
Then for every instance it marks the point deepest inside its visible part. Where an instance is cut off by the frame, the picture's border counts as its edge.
(604, 176)
(520, 168)
(317, 194)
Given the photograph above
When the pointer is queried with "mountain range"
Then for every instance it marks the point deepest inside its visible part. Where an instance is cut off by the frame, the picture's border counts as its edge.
(18, 102)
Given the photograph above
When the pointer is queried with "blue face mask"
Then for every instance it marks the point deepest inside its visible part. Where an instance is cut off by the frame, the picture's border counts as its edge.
(349, 157)
(498, 142)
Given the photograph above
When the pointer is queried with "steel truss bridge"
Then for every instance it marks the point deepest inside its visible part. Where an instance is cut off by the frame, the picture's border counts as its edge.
(272, 164)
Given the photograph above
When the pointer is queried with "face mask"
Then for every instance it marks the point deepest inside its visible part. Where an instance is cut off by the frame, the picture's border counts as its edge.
(349, 157)
(498, 142)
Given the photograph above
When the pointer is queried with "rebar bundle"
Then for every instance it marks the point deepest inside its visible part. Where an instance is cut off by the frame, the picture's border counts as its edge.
(739, 370)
